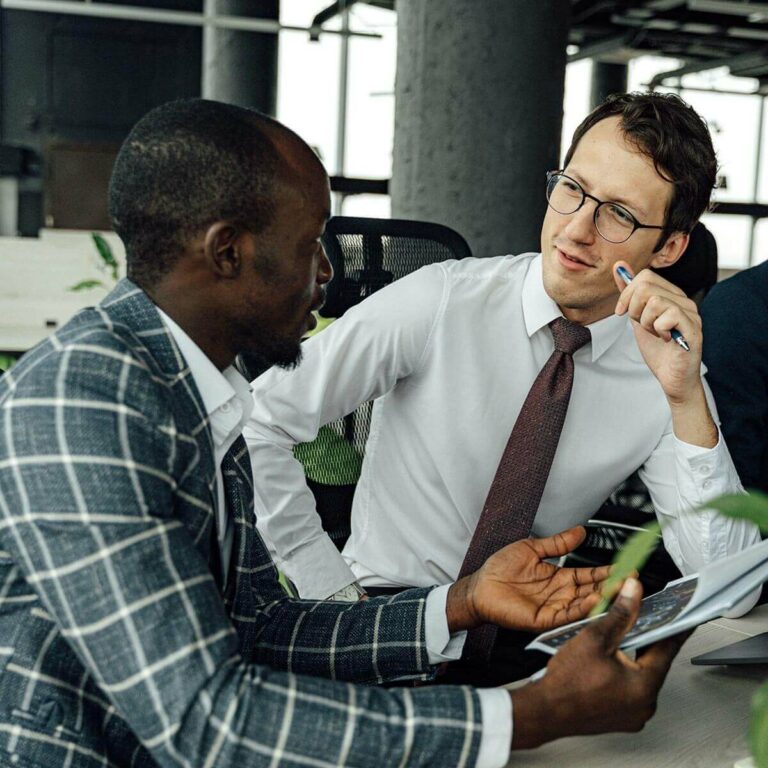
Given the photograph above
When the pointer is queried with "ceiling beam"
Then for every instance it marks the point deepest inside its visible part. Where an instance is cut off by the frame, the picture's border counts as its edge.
(741, 61)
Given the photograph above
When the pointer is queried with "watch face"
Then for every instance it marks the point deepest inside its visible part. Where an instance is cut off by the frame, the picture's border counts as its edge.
(350, 594)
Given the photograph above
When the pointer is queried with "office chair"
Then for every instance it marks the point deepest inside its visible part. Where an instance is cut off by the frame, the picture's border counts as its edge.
(695, 272)
(629, 507)
(366, 254)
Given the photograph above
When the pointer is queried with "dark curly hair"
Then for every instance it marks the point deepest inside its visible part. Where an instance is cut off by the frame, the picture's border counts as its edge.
(671, 133)
(185, 165)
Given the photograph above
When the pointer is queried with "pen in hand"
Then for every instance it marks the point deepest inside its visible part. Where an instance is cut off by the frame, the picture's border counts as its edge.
(676, 335)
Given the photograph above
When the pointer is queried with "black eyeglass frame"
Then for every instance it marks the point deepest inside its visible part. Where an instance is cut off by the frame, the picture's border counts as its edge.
(585, 195)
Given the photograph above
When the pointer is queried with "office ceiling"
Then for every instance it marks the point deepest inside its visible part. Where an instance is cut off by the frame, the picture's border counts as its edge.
(703, 34)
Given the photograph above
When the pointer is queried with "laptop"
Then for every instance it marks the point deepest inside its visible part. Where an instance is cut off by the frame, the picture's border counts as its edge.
(753, 650)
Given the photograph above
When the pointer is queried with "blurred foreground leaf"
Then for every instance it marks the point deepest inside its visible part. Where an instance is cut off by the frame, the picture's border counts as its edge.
(758, 727)
(753, 507)
(632, 557)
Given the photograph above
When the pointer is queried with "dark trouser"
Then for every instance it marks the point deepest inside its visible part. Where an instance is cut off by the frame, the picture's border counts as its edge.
(509, 660)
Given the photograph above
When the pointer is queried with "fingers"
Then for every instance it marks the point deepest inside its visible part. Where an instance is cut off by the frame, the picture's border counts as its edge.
(623, 613)
(579, 608)
(592, 578)
(645, 285)
(659, 314)
(560, 544)
(657, 658)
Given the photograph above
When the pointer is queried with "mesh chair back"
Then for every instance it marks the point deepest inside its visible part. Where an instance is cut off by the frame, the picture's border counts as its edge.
(366, 254)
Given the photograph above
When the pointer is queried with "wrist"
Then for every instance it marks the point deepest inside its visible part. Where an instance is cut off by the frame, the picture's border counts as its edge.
(693, 398)
(692, 421)
(532, 716)
(459, 605)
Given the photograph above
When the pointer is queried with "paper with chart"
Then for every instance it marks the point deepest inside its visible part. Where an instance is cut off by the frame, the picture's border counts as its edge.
(684, 603)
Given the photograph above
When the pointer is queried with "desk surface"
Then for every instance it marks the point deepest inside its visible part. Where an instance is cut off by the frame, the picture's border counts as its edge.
(701, 721)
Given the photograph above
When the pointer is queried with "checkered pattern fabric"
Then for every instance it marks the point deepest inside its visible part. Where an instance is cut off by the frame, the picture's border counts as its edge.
(116, 648)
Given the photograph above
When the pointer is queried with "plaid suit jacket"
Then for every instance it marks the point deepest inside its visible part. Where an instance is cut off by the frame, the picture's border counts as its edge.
(116, 648)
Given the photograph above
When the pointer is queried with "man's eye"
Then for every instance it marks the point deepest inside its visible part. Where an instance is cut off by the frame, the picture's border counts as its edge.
(624, 216)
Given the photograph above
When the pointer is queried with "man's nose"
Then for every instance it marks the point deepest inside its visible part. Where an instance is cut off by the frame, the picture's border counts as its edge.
(581, 224)
(324, 268)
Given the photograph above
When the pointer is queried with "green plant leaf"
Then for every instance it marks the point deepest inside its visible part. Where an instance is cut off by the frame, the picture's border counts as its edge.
(7, 361)
(86, 285)
(632, 557)
(753, 507)
(105, 252)
(758, 727)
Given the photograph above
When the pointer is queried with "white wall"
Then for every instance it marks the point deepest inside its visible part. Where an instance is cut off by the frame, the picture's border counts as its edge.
(36, 275)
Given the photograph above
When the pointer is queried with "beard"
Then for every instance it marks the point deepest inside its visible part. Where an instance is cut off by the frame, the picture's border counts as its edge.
(267, 351)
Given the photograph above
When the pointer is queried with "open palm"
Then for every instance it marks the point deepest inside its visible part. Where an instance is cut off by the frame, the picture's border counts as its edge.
(516, 589)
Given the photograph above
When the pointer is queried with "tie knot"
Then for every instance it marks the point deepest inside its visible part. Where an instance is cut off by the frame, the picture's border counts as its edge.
(568, 336)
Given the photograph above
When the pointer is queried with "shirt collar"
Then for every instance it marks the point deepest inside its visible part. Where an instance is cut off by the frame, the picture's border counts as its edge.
(540, 310)
(217, 388)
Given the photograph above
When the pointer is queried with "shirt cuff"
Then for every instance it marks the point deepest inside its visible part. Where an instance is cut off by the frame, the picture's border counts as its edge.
(441, 644)
(705, 473)
(317, 569)
(496, 739)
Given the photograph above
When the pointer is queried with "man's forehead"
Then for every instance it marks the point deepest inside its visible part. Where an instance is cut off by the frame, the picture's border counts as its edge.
(609, 161)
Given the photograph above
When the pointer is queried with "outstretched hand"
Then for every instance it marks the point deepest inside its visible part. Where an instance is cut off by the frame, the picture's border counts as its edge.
(515, 588)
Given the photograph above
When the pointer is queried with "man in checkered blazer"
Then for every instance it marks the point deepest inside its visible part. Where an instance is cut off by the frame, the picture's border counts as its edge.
(141, 620)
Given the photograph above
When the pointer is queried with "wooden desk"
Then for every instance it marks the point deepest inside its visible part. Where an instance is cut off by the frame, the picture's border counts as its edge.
(701, 721)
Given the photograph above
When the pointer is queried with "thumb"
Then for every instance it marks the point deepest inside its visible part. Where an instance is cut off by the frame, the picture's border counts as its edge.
(560, 544)
(620, 618)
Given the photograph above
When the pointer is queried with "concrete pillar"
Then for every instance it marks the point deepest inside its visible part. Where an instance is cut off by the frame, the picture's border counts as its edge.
(479, 104)
(607, 78)
(241, 67)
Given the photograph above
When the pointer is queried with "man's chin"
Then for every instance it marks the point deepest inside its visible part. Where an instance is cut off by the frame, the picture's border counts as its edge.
(280, 352)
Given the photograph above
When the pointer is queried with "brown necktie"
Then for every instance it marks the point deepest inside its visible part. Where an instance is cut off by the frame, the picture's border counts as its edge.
(516, 490)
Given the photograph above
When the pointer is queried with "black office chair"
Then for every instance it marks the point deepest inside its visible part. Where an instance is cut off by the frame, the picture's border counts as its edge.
(696, 270)
(629, 507)
(366, 254)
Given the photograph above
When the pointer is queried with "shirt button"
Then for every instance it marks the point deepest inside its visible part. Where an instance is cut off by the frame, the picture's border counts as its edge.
(225, 408)
(704, 469)
(706, 485)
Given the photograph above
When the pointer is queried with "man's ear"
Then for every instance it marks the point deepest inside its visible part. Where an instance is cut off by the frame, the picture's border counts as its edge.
(222, 249)
(671, 251)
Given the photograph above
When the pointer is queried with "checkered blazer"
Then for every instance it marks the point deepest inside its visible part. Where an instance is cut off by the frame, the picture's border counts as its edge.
(116, 647)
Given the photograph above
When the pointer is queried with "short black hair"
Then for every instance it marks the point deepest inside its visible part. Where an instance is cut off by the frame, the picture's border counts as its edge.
(185, 165)
(671, 133)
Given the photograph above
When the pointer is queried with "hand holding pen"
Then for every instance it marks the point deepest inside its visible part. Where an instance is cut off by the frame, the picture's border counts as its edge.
(677, 337)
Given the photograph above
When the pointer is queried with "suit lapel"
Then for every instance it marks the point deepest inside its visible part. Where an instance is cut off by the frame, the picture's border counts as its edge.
(130, 308)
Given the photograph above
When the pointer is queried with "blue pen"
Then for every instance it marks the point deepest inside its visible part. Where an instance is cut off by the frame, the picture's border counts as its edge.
(676, 335)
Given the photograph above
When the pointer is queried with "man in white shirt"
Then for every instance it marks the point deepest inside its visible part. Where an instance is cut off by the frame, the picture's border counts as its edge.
(452, 350)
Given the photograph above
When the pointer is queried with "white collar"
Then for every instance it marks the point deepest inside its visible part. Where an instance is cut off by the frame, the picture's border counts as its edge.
(216, 387)
(540, 310)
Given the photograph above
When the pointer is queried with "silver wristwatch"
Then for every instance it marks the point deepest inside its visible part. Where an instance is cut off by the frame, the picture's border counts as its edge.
(349, 594)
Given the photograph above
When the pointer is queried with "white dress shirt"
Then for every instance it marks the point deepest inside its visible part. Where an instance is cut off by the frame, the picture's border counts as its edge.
(228, 403)
(451, 352)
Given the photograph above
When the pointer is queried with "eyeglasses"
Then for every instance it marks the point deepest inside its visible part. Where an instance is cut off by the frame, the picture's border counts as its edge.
(613, 222)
